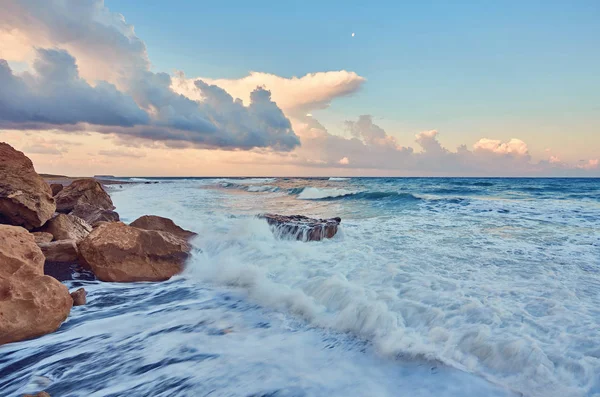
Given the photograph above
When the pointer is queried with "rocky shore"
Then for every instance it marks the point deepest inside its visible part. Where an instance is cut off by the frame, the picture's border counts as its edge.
(50, 226)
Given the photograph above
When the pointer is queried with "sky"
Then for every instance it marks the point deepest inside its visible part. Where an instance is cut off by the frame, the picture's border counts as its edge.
(311, 88)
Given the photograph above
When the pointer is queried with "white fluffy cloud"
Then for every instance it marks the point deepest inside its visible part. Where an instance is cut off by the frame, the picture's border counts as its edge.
(513, 147)
(101, 47)
(295, 95)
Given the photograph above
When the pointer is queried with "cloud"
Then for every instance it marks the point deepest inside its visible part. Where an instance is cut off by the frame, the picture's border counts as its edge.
(370, 147)
(39, 145)
(55, 94)
(344, 161)
(121, 153)
(294, 95)
(124, 96)
(515, 147)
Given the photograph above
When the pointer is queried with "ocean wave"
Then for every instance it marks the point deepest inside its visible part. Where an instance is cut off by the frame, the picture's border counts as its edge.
(336, 179)
(342, 194)
(249, 187)
(140, 180)
(411, 325)
(313, 193)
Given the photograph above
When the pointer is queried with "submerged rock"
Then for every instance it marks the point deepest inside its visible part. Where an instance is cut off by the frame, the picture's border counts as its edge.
(93, 215)
(121, 253)
(79, 297)
(25, 198)
(83, 191)
(67, 227)
(299, 227)
(56, 187)
(61, 251)
(153, 222)
(40, 394)
(31, 304)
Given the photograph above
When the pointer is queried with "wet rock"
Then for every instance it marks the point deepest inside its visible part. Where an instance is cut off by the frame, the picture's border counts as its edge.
(25, 198)
(79, 297)
(31, 304)
(61, 251)
(40, 394)
(121, 253)
(153, 222)
(42, 237)
(56, 187)
(83, 191)
(93, 215)
(299, 227)
(67, 227)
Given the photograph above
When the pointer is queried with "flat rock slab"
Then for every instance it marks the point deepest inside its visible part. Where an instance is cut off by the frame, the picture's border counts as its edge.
(302, 228)
(60, 251)
(67, 227)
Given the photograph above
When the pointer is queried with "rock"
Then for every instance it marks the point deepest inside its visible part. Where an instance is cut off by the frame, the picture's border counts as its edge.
(60, 251)
(93, 215)
(79, 297)
(25, 198)
(83, 191)
(56, 187)
(19, 255)
(302, 228)
(153, 222)
(121, 253)
(67, 227)
(42, 237)
(31, 304)
(40, 394)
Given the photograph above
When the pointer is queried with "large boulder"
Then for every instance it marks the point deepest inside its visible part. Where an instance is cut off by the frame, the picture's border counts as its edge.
(153, 222)
(67, 227)
(299, 227)
(61, 251)
(83, 191)
(93, 215)
(25, 198)
(121, 253)
(31, 304)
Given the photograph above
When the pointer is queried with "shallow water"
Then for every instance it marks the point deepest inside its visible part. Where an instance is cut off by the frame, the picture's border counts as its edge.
(433, 287)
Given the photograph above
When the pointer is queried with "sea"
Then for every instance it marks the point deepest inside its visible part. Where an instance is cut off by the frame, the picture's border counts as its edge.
(431, 287)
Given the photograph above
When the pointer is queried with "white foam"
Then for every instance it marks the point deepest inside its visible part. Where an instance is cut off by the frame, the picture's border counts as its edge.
(313, 193)
(508, 296)
(336, 179)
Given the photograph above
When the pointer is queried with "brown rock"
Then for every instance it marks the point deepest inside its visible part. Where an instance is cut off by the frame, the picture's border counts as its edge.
(153, 222)
(60, 251)
(83, 191)
(79, 297)
(25, 198)
(56, 187)
(19, 255)
(42, 237)
(40, 394)
(302, 228)
(67, 227)
(121, 253)
(93, 215)
(31, 304)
